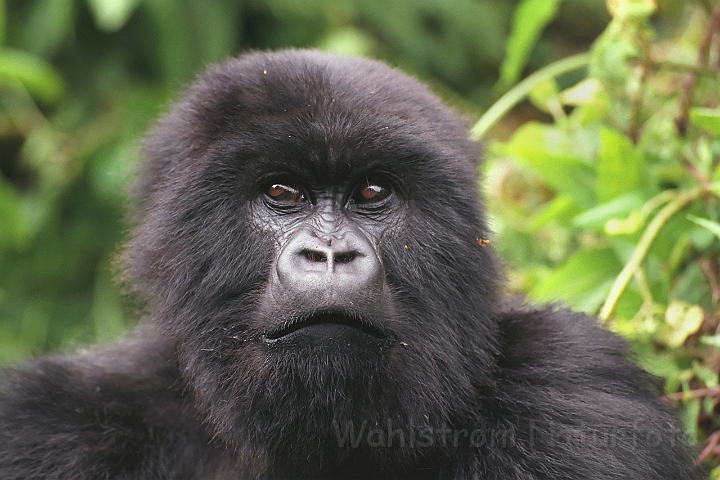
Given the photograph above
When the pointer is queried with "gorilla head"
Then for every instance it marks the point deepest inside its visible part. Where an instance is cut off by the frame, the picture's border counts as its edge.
(307, 234)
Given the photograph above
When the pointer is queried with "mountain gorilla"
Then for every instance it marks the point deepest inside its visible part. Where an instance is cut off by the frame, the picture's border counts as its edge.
(320, 302)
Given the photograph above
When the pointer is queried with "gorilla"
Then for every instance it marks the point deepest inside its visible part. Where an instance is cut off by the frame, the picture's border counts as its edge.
(319, 301)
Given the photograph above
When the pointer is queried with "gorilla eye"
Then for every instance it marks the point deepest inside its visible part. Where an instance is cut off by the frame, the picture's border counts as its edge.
(370, 191)
(285, 193)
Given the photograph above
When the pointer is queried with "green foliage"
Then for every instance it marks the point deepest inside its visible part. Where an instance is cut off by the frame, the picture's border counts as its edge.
(612, 204)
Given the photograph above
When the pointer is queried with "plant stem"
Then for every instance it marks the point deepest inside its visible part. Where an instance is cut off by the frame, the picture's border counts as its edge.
(522, 89)
(643, 247)
(688, 90)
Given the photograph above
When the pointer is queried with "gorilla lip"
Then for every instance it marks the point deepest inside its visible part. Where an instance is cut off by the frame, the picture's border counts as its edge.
(325, 318)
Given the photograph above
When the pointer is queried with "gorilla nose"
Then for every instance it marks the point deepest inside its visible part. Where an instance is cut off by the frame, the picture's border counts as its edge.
(343, 265)
(326, 258)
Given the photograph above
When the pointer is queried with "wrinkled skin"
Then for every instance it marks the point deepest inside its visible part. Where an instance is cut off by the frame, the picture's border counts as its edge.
(308, 245)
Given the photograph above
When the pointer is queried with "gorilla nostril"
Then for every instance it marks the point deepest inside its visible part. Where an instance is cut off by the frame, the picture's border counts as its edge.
(345, 257)
(314, 256)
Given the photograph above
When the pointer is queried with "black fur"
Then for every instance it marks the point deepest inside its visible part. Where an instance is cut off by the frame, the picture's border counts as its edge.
(458, 384)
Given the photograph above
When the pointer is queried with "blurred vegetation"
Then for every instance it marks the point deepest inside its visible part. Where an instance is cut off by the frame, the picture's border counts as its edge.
(602, 169)
(611, 203)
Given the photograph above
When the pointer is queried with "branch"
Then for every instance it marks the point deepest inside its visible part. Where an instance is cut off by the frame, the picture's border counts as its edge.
(709, 449)
(691, 81)
(693, 394)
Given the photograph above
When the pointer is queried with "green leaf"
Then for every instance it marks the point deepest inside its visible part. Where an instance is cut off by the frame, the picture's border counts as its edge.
(549, 152)
(684, 320)
(707, 375)
(620, 166)
(582, 281)
(34, 73)
(545, 96)
(707, 119)
(712, 340)
(557, 209)
(714, 227)
(530, 19)
(587, 91)
(620, 207)
(351, 42)
(112, 15)
(690, 283)
(624, 226)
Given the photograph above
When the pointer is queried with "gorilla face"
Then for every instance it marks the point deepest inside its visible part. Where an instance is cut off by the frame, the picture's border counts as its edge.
(307, 233)
(327, 285)
(327, 288)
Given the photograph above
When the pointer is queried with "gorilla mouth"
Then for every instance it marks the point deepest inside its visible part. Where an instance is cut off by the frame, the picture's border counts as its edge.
(326, 319)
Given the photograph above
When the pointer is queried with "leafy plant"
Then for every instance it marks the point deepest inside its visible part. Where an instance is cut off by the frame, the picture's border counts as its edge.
(612, 205)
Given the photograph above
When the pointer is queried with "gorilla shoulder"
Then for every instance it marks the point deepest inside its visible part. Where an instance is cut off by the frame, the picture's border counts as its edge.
(580, 404)
(114, 413)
